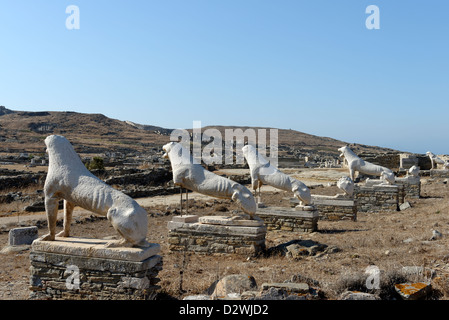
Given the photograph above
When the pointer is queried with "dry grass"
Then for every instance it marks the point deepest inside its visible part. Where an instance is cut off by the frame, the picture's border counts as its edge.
(388, 240)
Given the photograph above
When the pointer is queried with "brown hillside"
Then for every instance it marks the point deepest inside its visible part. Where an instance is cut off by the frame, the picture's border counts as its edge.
(22, 132)
(303, 142)
(89, 133)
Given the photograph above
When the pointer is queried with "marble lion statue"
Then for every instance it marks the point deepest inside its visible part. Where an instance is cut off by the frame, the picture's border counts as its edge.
(195, 178)
(437, 160)
(357, 164)
(414, 171)
(347, 185)
(262, 172)
(69, 179)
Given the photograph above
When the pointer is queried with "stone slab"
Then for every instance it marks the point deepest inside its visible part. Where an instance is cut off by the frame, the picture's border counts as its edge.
(413, 291)
(290, 287)
(331, 201)
(21, 236)
(230, 221)
(305, 208)
(216, 229)
(287, 212)
(94, 248)
(186, 218)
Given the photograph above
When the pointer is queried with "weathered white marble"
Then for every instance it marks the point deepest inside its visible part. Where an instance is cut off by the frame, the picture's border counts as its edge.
(346, 184)
(414, 171)
(357, 164)
(69, 179)
(230, 221)
(262, 172)
(95, 248)
(437, 160)
(192, 176)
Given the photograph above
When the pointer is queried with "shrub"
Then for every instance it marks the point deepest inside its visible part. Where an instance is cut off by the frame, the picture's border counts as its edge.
(97, 163)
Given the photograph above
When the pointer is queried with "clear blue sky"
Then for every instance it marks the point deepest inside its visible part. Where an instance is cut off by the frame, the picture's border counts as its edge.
(310, 65)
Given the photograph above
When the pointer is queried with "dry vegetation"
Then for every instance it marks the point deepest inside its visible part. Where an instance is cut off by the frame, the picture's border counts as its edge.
(22, 132)
(388, 240)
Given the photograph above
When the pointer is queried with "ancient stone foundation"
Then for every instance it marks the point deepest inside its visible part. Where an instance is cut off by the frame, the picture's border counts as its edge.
(335, 208)
(411, 187)
(439, 173)
(80, 268)
(375, 198)
(289, 219)
(216, 235)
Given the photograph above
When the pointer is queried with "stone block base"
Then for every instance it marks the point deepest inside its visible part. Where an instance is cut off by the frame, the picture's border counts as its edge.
(80, 268)
(335, 208)
(289, 219)
(411, 187)
(439, 173)
(216, 235)
(376, 198)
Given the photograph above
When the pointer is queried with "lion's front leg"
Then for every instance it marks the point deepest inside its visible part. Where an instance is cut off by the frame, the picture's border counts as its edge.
(68, 211)
(51, 208)
(352, 173)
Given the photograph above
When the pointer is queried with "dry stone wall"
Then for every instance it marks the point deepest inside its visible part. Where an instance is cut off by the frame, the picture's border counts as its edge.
(287, 219)
(377, 198)
(203, 238)
(331, 208)
(65, 273)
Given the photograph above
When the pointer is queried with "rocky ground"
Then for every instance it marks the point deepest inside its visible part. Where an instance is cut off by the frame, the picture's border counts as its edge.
(416, 239)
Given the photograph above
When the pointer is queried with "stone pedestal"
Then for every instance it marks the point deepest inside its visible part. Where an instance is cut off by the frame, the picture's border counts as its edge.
(377, 197)
(216, 234)
(335, 208)
(411, 187)
(303, 219)
(81, 268)
(439, 173)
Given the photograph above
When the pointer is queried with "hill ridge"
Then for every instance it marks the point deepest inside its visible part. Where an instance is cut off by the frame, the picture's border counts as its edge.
(24, 131)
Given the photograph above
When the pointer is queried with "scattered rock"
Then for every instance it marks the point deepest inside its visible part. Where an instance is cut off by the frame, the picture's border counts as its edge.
(198, 297)
(418, 271)
(332, 249)
(236, 283)
(288, 287)
(273, 293)
(413, 291)
(356, 295)
(14, 249)
(406, 205)
(248, 295)
(436, 235)
(297, 249)
(301, 278)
